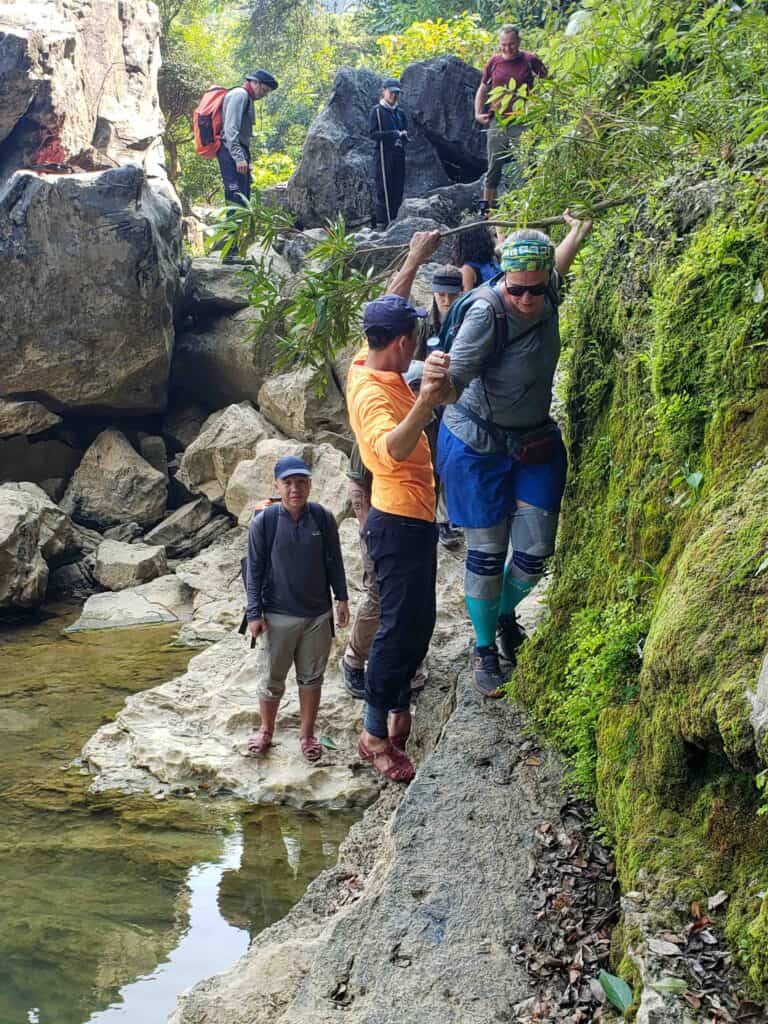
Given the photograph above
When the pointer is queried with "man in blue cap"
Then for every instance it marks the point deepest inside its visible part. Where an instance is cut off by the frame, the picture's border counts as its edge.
(234, 154)
(294, 561)
(400, 532)
(388, 127)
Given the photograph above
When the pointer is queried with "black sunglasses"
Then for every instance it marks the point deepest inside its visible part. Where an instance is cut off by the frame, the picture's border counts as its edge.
(519, 290)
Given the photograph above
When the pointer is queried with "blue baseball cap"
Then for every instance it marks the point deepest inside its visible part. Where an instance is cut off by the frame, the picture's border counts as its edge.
(392, 83)
(391, 313)
(291, 465)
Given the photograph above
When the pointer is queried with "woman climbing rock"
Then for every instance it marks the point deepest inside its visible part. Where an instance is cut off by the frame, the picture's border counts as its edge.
(500, 454)
(388, 127)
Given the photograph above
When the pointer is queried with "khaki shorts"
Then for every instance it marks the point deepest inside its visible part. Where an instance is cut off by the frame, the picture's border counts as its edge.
(289, 641)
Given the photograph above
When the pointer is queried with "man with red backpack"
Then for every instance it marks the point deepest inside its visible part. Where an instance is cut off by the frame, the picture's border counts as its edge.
(514, 69)
(234, 154)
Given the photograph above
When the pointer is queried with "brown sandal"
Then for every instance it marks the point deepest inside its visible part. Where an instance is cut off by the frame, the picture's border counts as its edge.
(400, 768)
(310, 748)
(260, 743)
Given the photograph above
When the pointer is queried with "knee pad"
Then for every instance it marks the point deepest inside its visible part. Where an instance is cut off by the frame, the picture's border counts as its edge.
(532, 540)
(484, 567)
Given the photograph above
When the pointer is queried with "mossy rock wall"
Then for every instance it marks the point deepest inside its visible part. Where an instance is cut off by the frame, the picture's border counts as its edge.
(646, 668)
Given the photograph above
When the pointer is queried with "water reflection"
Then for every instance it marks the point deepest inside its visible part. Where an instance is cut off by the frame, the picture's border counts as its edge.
(110, 906)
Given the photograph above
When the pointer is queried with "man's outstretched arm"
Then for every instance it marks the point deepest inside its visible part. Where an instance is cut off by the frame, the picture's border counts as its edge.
(423, 244)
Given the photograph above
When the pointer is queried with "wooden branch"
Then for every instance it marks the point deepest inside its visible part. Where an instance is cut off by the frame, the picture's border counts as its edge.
(545, 222)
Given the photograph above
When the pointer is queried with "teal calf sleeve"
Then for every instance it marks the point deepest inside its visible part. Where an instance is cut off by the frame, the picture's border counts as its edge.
(484, 615)
(512, 593)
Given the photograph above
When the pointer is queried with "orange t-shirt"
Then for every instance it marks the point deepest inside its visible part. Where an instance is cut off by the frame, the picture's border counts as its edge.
(378, 401)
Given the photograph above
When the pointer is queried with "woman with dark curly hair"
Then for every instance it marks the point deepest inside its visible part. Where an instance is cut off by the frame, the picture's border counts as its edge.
(474, 253)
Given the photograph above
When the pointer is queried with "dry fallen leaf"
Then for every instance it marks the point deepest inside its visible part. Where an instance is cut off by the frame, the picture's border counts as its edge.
(663, 948)
(717, 900)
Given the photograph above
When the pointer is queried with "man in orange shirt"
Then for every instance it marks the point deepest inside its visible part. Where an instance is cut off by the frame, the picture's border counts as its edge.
(400, 531)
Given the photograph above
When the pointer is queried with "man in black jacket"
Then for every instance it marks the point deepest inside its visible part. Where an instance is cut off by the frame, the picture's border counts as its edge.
(294, 561)
(388, 127)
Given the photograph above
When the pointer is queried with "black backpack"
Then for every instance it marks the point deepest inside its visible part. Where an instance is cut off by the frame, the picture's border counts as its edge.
(269, 517)
(455, 317)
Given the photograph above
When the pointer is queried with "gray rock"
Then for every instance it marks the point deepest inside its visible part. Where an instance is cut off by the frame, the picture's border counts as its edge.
(253, 479)
(25, 418)
(61, 110)
(334, 175)
(152, 448)
(124, 532)
(439, 96)
(228, 437)
(89, 270)
(23, 570)
(445, 205)
(759, 715)
(183, 422)
(176, 531)
(165, 599)
(216, 364)
(60, 540)
(113, 484)
(49, 463)
(291, 401)
(399, 233)
(119, 566)
(74, 581)
(213, 287)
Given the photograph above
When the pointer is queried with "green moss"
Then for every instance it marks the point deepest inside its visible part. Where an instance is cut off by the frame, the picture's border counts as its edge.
(664, 525)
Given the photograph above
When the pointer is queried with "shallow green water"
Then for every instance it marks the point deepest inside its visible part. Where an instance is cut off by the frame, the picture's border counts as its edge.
(110, 906)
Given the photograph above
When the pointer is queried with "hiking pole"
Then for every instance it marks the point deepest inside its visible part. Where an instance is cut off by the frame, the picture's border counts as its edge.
(383, 168)
(545, 222)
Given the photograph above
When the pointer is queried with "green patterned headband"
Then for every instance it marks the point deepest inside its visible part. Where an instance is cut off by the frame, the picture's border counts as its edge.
(527, 254)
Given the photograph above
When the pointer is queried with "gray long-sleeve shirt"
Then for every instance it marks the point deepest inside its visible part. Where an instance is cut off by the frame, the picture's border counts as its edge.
(513, 389)
(297, 574)
(237, 130)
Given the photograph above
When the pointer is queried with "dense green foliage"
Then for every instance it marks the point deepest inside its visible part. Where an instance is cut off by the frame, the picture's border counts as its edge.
(659, 602)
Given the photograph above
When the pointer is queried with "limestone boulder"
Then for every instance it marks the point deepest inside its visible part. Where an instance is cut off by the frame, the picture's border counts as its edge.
(399, 232)
(113, 484)
(335, 172)
(183, 422)
(293, 403)
(60, 540)
(195, 729)
(119, 566)
(48, 462)
(212, 287)
(176, 531)
(214, 576)
(80, 83)
(23, 570)
(227, 438)
(439, 97)
(89, 271)
(165, 599)
(446, 146)
(25, 418)
(253, 479)
(445, 205)
(216, 364)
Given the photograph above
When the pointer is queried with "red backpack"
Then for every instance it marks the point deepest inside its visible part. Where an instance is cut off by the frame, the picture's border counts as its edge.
(208, 120)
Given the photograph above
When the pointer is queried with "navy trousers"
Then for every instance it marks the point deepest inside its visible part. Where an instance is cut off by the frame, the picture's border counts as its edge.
(235, 185)
(389, 183)
(404, 552)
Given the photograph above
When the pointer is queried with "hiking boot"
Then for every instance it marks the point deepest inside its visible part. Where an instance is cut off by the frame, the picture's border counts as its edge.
(511, 636)
(354, 680)
(487, 676)
(449, 537)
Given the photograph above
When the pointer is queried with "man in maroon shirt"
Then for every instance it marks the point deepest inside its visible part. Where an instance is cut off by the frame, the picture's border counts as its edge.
(515, 69)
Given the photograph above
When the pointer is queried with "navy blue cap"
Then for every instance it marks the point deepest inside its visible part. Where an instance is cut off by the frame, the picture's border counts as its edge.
(391, 313)
(262, 76)
(392, 83)
(291, 465)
